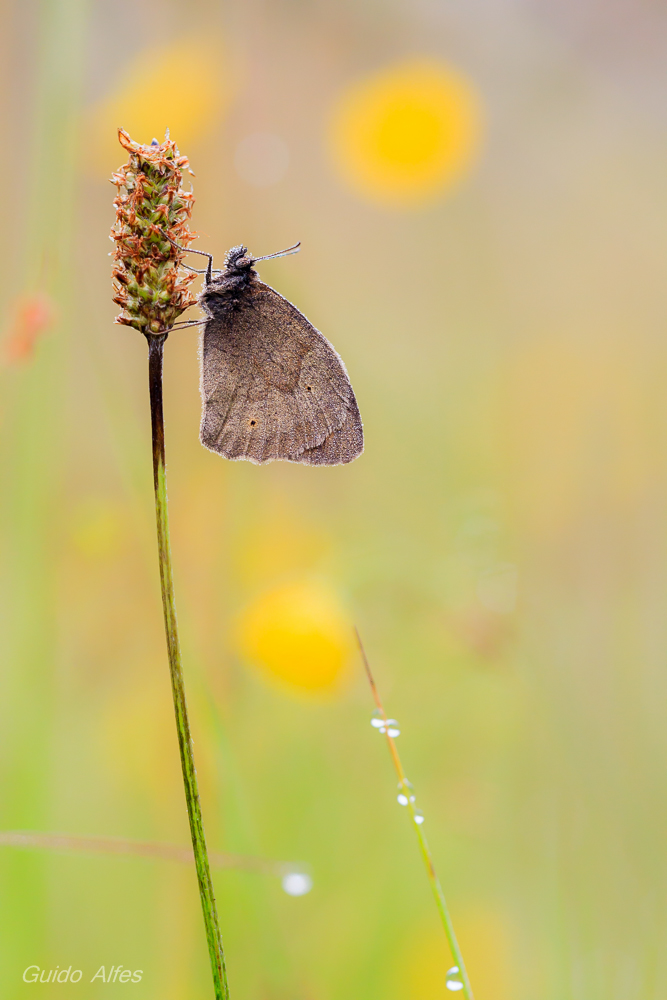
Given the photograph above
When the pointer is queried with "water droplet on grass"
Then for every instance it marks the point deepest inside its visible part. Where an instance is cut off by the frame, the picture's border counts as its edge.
(297, 883)
(388, 726)
(419, 817)
(405, 791)
(453, 979)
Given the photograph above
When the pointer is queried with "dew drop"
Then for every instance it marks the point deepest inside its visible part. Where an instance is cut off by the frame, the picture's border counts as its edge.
(453, 979)
(388, 726)
(419, 817)
(297, 883)
(405, 790)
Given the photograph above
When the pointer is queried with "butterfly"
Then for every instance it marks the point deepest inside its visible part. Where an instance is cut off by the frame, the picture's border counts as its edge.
(272, 387)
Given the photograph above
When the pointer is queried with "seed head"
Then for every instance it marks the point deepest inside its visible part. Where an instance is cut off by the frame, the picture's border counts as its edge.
(150, 206)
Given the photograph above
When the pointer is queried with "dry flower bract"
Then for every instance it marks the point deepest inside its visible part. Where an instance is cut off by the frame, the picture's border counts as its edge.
(151, 205)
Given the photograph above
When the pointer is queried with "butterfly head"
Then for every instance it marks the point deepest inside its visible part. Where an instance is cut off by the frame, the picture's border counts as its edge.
(238, 260)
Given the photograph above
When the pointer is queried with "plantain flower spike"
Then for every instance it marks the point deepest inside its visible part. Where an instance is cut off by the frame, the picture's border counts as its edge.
(151, 205)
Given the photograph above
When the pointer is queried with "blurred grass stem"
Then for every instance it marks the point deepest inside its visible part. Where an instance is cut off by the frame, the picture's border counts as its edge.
(438, 894)
(142, 849)
(213, 937)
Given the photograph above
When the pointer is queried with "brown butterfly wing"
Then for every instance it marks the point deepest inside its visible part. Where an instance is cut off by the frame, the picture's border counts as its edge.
(344, 445)
(273, 388)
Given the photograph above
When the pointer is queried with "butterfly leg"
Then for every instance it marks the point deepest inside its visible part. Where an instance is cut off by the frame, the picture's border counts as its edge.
(197, 270)
(209, 270)
(187, 323)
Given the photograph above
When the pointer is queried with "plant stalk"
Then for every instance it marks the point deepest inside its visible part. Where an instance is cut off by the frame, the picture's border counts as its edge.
(213, 937)
(438, 894)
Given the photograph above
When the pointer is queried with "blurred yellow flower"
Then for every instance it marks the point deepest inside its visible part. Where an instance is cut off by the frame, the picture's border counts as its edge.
(181, 87)
(407, 134)
(299, 633)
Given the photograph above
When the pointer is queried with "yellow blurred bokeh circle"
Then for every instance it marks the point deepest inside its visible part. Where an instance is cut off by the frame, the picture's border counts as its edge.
(182, 86)
(299, 634)
(407, 134)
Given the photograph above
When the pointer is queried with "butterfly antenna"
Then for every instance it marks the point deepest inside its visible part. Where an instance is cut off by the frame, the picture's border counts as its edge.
(281, 253)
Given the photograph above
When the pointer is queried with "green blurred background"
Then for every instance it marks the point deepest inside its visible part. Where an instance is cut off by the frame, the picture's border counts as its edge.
(479, 188)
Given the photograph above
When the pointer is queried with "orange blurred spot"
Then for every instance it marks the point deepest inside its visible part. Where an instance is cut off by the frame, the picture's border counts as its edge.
(484, 632)
(33, 315)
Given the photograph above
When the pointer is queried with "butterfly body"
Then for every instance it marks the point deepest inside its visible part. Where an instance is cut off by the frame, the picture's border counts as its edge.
(272, 386)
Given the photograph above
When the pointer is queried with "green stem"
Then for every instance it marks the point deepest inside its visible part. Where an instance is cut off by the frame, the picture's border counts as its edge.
(439, 895)
(213, 937)
(440, 901)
